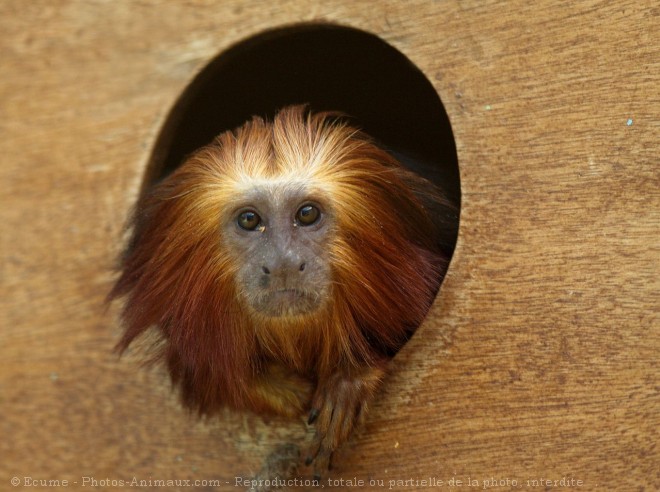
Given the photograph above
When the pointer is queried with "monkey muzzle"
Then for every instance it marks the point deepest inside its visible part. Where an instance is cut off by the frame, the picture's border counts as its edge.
(286, 302)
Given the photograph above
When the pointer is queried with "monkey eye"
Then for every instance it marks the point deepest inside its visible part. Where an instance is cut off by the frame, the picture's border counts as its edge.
(307, 215)
(249, 220)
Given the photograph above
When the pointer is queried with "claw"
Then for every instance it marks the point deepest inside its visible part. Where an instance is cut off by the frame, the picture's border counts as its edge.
(313, 415)
(317, 479)
(309, 460)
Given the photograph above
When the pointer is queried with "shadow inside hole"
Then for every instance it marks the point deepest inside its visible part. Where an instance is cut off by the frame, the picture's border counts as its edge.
(328, 67)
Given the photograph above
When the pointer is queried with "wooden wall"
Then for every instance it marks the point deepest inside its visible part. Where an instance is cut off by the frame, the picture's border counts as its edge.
(539, 359)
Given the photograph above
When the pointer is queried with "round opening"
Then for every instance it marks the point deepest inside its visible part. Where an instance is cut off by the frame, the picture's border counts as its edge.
(327, 67)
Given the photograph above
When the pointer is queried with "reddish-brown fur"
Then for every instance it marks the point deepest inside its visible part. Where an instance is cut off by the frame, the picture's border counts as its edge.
(385, 259)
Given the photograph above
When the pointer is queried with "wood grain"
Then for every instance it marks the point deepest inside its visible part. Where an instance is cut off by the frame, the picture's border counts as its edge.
(539, 359)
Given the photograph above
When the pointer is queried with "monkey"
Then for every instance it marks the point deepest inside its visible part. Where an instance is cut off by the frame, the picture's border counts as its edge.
(283, 265)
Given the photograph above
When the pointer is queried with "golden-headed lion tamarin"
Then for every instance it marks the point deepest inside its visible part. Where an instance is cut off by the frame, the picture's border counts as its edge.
(284, 264)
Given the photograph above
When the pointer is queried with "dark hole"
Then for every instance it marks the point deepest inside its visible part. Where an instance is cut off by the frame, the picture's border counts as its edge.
(328, 67)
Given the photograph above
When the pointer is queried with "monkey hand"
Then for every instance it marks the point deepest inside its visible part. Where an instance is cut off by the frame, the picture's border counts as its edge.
(339, 406)
(281, 391)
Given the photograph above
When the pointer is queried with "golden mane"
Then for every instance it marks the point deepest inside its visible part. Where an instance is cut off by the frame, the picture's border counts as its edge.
(177, 274)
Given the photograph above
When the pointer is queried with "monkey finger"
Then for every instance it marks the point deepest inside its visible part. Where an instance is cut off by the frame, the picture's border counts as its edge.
(344, 420)
(322, 464)
(323, 419)
(322, 443)
(330, 466)
(314, 449)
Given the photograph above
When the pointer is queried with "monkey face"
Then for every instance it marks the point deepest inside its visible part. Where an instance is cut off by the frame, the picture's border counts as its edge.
(278, 232)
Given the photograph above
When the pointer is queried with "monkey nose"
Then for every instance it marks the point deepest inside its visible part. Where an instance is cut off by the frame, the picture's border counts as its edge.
(283, 269)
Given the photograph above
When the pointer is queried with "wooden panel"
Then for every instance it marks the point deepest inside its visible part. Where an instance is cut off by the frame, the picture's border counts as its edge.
(539, 358)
